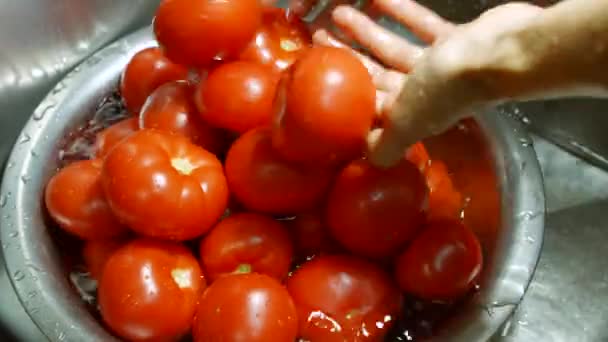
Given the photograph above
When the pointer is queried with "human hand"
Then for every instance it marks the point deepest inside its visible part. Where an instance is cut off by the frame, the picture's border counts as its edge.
(422, 91)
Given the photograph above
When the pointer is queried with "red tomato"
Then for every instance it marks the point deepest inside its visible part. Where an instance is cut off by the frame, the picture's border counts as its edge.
(75, 199)
(161, 185)
(149, 291)
(238, 96)
(97, 253)
(281, 39)
(147, 70)
(310, 235)
(442, 263)
(171, 108)
(195, 32)
(109, 137)
(247, 242)
(445, 202)
(246, 307)
(263, 182)
(329, 108)
(418, 156)
(342, 298)
(374, 212)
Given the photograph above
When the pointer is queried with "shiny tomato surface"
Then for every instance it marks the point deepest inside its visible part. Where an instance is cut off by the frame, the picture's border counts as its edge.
(373, 212)
(343, 298)
(247, 242)
(147, 70)
(161, 185)
(97, 252)
(264, 182)
(310, 234)
(281, 39)
(445, 202)
(246, 307)
(197, 32)
(171, 108)
(149, 291)
(238, 96)
(442, 263)
(109, 137)
(75, 200)
(329, 108)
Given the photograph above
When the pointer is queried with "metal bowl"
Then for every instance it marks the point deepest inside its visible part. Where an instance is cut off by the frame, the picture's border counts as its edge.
(33, 260)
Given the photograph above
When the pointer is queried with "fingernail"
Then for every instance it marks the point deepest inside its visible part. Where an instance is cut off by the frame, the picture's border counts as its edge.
(320, 36)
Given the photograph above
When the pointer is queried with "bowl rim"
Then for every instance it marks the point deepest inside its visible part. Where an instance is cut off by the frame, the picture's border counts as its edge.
(33, 263)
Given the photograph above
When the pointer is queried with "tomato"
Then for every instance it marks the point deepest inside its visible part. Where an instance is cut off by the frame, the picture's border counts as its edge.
(195, 32)
(442, 263)
(263, 182)
(418, 156)
(281, 39)
(246, 307)
(329, 108)
(96, 254)
(109, 137)
(247, 242)
(310, 234)
(161, 185)
(343, 298)
(149, 291)
(171, 108)
(147, 70)
(75, 199)
(238, 96)
(374, 212)
(445, 202)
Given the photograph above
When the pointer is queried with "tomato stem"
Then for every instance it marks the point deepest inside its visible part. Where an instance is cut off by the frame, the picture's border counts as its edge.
(243, 269)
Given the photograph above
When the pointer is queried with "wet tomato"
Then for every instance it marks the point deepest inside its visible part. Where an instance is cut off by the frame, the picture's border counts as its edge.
(75, 199)
(171, 108)
(329, 108)
(310, 234)
(418, 155)
(281, 39)
(147, 70)
(238, 96)
(96, 254)
(149, 291)
(374, 212)
(161, 185)
(445, 202)
(343, 298)
(264, 182)
(109, 137)
(442, 263)
(246, 307)
(195, 32)
(244, 243)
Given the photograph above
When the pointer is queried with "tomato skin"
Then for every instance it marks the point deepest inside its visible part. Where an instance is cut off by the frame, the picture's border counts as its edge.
(418, 155)
(338, 298)
(329, 108)
(238, 96)
(249, 241)
(374, 212)
(111, 136)
(171, 108)
(97, 252)
(75, 200)
(149, 290)
(161, 185)
(445, 202)
(281, 39)
(228, 306)
(147, 70)
(264, 182)
(442, 263)
(225, 27)
(310, 235)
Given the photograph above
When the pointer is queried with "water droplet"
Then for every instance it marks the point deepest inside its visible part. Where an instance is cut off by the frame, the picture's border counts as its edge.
(530, 239)
(32, 294)
(14, 234)
(10, 165)
(525, 142)
(18, 276)
(35, 268)
(40, 113)
(25, 178)
(25, 138)
(528, 215)
(93, 60)
(34, 153)
(3, 200)
(61, 336)
(59, 87)
(5, 246)
(525, 120)
(34, 311)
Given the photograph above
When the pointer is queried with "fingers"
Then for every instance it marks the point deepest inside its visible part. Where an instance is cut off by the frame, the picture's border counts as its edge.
(301, 7)
(388, 47)
(423, 22)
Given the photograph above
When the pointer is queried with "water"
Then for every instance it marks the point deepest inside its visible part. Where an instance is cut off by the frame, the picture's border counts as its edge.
(18, 276)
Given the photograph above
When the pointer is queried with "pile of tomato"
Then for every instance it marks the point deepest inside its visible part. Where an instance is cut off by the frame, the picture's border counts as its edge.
(235, 203)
